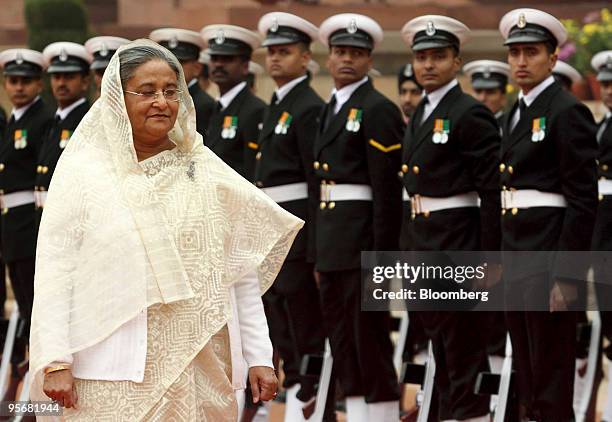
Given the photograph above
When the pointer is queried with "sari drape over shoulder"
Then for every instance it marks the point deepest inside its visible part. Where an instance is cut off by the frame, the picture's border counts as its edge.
(170, 235)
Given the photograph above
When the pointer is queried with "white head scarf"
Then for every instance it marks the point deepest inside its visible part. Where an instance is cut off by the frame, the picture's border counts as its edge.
(105, 248)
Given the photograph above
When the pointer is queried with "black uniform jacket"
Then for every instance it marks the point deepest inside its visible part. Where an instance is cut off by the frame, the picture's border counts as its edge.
(21, 144)
(370, 156)
(56, 139)
(286, 156)
(204, 106)
(466, 162)
(243, 117)
(562, 162)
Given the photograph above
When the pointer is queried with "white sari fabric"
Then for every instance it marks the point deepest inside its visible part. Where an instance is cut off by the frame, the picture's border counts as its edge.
(170, 235)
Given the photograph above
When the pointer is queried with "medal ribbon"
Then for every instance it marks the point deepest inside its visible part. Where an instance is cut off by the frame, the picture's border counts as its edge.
(230, 121)
(285, 119)
(438, 125)
(65, 134)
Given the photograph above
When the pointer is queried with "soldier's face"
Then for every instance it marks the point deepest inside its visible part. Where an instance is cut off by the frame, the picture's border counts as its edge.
(606, 93)
(151, 120)
(68, 87)
(493, 98)
(435, 67)
(348, 64)
(228, 71)
(530, 64)
(287, 62)
(22, 90)
(410, 95)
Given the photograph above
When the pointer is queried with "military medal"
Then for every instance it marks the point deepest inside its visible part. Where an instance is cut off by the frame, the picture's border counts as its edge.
(441, 131)
(64, 138)
(21, 138)
(283, 123)
(538, 130)
(230, 124)
(353, 123)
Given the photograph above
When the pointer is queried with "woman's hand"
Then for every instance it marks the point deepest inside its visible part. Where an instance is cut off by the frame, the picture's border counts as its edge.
(263, 383)
(59, 386)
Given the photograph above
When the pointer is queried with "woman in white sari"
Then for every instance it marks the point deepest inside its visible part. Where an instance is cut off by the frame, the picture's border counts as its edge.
(152, 257)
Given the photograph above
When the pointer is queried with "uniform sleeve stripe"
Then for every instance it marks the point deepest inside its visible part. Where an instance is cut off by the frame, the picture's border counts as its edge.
(252, 145)
(383, 148)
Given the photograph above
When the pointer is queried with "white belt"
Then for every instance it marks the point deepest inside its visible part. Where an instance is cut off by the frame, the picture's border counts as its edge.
(425, 204)
(345, 192)
(40, 198)
(604, 186)
(288, 192)
(15, 199)
(527, 198)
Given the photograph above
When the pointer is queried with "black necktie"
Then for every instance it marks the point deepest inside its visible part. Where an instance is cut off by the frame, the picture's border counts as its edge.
(12, 119)
(274, 99)
(330, 112)
(418, 113)
(603, 127)
(522, 107)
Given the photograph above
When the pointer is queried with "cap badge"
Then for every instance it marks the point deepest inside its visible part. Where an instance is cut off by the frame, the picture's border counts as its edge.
(19, 58)
(63, 56)
(173, 42)
(608, 64)
(408, 71)
(274, 26)
(487, 73)
(431, 29)
(220, 37)
(104, 50)
(352, 26)
(522, 21)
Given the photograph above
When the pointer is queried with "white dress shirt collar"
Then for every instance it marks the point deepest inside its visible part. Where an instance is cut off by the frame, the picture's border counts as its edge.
(19, 112)
(285, 89)
(536, 91)
(192, 82)
(227, 98)
(434, 98)
(64, 112)
(343, 94)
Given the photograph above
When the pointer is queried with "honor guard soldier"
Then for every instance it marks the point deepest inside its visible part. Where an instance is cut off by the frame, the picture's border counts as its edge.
(449, 172)
(410, 91)
(357, 153)
(235, 124)
(489, 79)
(68, 66)
(566, 75)
(102, 49)
(549, 197)
(186, 46)
(21, 143)
(602, 238)
(283, 169)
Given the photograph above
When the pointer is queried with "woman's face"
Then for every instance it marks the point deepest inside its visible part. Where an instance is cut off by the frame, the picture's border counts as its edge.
(151, 119)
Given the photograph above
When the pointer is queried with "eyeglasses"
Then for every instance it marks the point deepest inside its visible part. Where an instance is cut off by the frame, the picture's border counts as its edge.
(152, 96)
